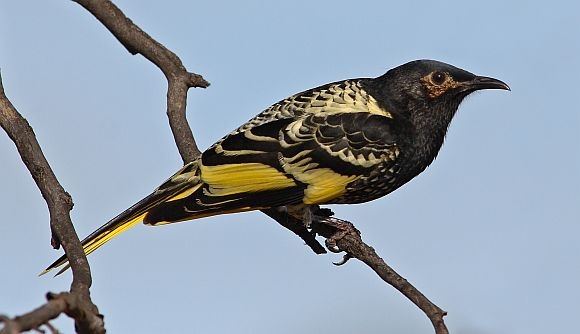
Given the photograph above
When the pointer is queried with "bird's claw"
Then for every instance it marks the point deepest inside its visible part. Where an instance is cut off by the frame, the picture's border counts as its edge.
(331, 245)
(342, 229)
(344, 260)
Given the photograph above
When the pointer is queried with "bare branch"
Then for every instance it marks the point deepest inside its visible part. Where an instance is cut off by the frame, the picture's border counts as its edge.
(179, 79)
(59, 205)
(68, 303)
(350, 241)
(342, 236)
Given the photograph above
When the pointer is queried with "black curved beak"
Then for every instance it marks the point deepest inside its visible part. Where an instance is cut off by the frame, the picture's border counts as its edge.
(479, 83)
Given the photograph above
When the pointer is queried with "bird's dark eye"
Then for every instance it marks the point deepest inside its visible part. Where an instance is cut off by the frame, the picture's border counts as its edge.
(438, 78)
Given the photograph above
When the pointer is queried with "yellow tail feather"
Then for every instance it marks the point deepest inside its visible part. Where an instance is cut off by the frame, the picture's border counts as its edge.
(92, 244)
(181, 184)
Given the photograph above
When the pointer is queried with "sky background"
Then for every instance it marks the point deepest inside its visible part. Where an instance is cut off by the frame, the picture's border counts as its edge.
(490, 232)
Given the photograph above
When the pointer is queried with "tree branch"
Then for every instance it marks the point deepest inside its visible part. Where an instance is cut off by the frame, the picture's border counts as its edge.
(68, 303)
(342, 236)
(59, 205)
(136, 41)
(350, 242)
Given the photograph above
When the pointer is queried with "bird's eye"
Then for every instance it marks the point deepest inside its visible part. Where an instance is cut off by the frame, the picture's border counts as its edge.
(438, 78)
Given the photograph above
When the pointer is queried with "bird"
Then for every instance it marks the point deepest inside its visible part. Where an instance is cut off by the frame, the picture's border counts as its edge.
(346, 142)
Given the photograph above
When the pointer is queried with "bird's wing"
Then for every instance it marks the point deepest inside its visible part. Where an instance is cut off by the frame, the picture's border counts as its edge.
(330, 151)
(341, 96)
(308, 160)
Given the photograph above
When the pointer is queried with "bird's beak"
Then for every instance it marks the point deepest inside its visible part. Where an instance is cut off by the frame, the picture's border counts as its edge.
(479, 83)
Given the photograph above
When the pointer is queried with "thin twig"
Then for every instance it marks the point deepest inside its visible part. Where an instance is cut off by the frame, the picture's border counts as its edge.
(51, 328)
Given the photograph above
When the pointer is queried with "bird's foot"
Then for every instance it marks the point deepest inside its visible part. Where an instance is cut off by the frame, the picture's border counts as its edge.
(343, 228)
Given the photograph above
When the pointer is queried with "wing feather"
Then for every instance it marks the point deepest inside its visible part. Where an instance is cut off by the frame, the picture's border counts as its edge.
(319, 155)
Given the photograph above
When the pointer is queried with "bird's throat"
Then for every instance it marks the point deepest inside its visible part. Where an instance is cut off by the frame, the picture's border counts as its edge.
(429, 137)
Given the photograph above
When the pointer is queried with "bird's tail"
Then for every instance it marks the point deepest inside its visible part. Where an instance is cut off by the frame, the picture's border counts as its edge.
(183, 183)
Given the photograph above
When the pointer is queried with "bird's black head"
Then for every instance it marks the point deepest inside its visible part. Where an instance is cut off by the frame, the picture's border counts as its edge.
(424, 95)
(434, 85)
(428, 92)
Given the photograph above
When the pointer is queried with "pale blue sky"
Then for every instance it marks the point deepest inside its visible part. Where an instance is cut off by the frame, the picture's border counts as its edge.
(490, 232)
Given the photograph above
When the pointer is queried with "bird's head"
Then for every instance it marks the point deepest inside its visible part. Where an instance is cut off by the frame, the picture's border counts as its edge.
(429, 92)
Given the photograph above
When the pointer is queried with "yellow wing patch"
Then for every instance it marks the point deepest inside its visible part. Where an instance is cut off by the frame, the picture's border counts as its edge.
(232, 179)
(323, 185)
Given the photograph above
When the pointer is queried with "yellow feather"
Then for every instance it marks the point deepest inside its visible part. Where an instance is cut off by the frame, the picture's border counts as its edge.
(245, 177)
(92, 245)
(185, 193)
(323, 185)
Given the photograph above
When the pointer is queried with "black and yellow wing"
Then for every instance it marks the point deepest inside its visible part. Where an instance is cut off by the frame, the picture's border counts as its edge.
(316, 159)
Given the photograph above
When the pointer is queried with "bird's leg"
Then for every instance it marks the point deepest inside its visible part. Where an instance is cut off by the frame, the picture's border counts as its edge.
(303, 212)
(307, 215)
(321, 219)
